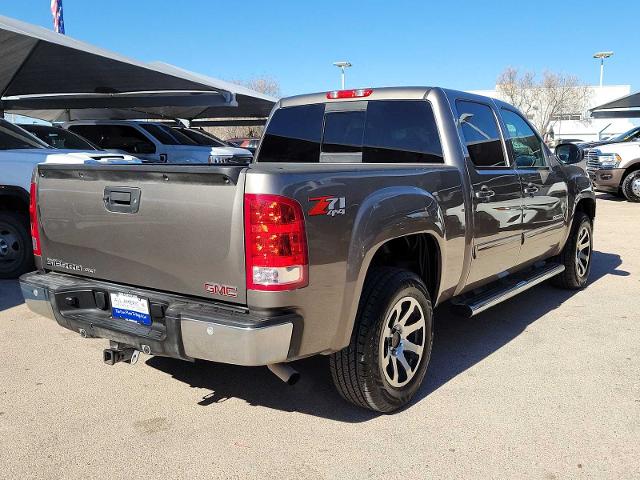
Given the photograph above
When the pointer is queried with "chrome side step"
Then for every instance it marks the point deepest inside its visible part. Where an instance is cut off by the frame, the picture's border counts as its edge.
(474, 305)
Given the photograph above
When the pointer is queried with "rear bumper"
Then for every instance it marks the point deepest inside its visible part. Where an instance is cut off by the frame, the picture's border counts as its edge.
(606, 180)
(181, 326)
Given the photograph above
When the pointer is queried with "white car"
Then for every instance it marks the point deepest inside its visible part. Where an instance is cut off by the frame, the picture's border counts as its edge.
(155, 142)
(20, 152)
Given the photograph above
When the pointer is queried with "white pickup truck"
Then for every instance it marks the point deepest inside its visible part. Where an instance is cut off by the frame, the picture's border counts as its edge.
(612, 167)
(20, 152)
(615, 168)
(155, 142)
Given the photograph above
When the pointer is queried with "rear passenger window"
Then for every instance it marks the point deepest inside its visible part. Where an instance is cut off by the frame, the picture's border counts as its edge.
(401, 131)
(293, 135)
(480, 134)
(115, 137)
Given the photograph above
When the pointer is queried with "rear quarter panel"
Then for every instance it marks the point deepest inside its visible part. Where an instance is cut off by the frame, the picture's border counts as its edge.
(381, 203)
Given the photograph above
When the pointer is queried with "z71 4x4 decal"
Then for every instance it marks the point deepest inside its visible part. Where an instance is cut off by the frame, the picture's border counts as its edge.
(328, 205)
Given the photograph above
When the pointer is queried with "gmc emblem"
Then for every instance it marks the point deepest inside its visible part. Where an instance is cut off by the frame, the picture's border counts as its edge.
(222, 290)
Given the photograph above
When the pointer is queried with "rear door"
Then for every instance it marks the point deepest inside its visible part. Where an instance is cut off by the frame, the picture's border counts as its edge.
(543, 185)
(496, 192)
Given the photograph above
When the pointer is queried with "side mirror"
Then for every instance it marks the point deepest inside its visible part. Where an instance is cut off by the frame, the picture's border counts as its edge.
(568, 153)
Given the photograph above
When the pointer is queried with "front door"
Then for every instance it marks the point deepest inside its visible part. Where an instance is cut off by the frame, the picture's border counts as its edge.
(496, 192)
(544, 189)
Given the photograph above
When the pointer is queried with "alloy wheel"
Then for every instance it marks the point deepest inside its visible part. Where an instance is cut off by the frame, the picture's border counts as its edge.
(583, 251)
(403, 341)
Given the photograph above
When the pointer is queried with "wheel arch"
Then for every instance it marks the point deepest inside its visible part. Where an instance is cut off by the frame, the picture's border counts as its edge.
(586, 205)
(635, 165)
(14, 199)
(387, 221)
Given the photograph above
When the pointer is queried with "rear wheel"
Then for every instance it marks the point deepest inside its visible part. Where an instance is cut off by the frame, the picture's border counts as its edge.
(631, 186)
(386, 361)
(16, 255)
(576, 254)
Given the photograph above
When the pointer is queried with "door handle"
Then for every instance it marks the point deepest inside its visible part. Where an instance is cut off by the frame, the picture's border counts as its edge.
(485, 192)
(530, 189)
(122, 199)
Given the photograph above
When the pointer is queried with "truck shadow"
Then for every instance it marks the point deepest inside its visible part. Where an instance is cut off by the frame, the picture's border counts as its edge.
(459, 344)
(10, 294)
(610, 197)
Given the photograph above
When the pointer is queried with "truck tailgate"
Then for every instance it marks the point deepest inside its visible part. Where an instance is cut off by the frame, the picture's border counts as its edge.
(167, 227)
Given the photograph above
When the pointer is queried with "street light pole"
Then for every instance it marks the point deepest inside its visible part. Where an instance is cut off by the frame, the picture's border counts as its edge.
(602, 56)
(342, 66)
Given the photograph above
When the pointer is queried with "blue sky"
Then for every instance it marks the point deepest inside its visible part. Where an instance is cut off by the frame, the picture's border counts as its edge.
(457, 44)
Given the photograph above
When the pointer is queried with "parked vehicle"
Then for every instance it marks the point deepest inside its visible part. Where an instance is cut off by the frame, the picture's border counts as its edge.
(58, 137)
(632, 135)
(20, 152)
(202, 137)
(250, 143)
(613, 168)
(363, 211)
(569, 140)
(154, 142)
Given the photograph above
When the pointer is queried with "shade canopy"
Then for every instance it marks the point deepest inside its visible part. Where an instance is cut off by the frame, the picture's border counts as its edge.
(625, 107)
(54, 77)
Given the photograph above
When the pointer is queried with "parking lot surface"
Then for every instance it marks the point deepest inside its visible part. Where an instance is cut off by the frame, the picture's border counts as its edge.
(546, 385)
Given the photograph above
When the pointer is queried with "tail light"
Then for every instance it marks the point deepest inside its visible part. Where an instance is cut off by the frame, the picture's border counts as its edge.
(275, 243)
(360, 92)
(33, 214)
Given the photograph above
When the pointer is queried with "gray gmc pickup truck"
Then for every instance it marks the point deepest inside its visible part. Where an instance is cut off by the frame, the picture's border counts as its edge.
(363, 210)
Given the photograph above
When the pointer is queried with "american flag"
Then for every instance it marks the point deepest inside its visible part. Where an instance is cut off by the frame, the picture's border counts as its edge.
(58, 20)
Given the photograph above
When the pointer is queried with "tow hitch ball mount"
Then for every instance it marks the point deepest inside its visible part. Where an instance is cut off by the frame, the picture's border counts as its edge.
(120, 353)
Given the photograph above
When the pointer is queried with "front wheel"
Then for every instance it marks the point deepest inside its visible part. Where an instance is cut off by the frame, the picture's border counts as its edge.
(576, 254)
(631, 186)
(386, 361)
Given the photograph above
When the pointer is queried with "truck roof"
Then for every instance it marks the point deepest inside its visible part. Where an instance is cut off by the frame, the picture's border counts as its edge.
(383, 93)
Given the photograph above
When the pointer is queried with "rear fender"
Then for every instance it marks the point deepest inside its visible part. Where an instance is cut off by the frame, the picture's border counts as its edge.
(388, 213)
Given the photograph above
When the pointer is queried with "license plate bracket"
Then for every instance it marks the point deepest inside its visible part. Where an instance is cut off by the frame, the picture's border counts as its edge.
(129, 307)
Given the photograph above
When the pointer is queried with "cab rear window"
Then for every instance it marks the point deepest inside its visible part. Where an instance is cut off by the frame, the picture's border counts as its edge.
(293, 135)
(387, 131)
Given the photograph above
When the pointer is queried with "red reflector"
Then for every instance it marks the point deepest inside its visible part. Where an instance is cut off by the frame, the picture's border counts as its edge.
(33, 214)
(360, 92)
(275, 243)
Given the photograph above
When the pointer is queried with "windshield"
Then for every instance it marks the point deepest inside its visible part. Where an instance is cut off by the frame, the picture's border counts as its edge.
(628, 136)
(167, 135)
(13, 137)
(201, 138)
(59, 137)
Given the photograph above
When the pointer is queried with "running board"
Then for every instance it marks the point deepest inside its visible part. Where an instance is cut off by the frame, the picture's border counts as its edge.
(469, 307)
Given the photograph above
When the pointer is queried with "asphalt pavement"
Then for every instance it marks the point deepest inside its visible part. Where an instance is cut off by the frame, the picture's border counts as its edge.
(546, 386)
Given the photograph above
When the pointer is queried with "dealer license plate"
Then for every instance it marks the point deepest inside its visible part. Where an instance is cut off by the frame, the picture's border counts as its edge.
(130, 307)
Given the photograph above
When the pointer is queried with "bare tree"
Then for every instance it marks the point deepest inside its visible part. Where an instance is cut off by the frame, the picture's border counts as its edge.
(543, 101)
(266, 85)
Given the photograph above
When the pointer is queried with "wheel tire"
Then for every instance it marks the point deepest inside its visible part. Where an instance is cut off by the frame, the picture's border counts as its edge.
(16, 255)
(358, 371)
(576, 274)
(631, 186)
